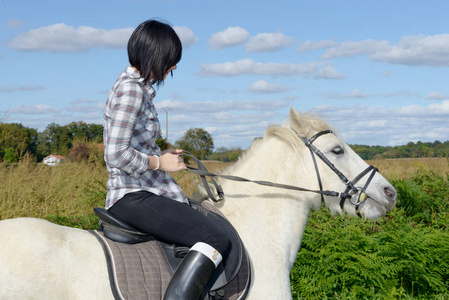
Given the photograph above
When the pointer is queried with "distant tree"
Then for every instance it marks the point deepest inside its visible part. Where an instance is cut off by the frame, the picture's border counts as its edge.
(226, 155)
(59, 138)
(10, 156)
(162, 143)
(17, 137)
(78, 153)
(56, 139)
(197, 141)
(89, 132)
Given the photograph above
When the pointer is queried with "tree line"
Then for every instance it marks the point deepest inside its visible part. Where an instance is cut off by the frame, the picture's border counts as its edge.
(17, 140)
(411, 150)
(79, 140)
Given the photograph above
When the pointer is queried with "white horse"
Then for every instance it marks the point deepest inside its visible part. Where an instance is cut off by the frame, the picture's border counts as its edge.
(40, 260)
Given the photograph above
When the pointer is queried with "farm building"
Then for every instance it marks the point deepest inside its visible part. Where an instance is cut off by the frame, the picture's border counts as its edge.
(53, 160)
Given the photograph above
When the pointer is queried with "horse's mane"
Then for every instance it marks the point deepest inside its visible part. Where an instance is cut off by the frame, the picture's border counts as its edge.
(310, 124)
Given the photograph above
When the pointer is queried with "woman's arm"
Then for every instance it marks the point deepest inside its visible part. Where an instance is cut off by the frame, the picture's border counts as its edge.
(124, 115)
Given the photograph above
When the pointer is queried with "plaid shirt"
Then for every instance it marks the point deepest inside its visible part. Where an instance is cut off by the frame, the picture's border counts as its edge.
(131, 128)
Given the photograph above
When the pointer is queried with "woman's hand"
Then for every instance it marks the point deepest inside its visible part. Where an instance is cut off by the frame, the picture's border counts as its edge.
(170, 161)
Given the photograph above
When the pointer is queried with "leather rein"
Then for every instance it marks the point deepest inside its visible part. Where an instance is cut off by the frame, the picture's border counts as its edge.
(350, 190)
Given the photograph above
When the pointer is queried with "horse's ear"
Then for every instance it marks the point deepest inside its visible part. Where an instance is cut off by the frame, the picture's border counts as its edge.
(295, 121)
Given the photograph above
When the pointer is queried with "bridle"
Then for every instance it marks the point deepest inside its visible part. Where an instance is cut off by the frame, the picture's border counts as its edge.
(351, 189)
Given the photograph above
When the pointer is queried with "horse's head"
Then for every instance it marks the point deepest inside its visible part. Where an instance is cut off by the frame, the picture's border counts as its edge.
(339, 169)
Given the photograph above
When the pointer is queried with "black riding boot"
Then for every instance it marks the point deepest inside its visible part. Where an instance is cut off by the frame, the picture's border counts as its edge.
(193, 273)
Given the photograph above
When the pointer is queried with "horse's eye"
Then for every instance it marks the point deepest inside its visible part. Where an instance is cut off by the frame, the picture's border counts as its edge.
(338, 150)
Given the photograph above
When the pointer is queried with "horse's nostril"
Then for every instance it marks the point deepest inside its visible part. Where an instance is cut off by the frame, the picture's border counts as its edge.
(391, 193)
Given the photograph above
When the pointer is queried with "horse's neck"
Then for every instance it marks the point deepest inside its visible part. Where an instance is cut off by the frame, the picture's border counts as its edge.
(270, 221)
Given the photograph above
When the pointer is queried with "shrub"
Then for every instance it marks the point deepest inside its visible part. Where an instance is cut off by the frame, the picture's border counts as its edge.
(403, 255)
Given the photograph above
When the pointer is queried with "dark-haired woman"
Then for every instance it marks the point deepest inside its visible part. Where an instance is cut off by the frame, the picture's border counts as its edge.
(140, 191)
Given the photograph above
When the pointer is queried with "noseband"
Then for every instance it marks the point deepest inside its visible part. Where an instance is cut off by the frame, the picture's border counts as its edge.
(351, 189)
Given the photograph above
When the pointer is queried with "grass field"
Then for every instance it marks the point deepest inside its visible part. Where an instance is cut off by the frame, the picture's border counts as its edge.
(404, 167)
(35, 190)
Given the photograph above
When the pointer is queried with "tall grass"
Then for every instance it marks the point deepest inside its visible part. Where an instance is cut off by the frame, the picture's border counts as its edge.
(406, 167)
(67, 193)
(28, 189)
(36, 190)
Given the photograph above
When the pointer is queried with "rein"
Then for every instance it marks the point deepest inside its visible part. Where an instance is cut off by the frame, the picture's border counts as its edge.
(202, 172)
(351, 189)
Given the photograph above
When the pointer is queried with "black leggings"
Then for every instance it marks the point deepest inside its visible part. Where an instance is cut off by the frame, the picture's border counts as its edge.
(170, 220)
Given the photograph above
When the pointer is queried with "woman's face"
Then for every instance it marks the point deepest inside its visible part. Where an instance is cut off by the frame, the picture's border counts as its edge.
(169, 70)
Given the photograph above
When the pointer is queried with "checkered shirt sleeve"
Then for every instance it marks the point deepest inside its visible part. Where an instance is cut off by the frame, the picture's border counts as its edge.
(131, 128)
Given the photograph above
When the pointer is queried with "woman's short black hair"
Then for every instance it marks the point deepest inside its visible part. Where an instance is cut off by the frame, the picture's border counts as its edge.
(153, 48)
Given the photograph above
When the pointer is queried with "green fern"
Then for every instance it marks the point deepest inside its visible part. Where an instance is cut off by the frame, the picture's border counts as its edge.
(401, 256)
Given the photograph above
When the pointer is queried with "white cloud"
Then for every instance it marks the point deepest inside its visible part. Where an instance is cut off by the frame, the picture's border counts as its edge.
(354, 94)
(264, 42)
(186, 36)
(6, 89)
(61, 37)
(401, 94)
(83, 100)
(231, 36)
(24, 88)
(37, 109)
(329, 72)
(264, 87)
(249, 67)
(437, 96)
(85, 108)
(312, 45)
(14, 23)
(236, 123)
(210, 107)
(410, 50)
(388, 73)
(351, 48)
(389, 126)
(417, 50)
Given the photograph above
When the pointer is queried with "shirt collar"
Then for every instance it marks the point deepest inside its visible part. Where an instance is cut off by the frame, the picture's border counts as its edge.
(131, 71)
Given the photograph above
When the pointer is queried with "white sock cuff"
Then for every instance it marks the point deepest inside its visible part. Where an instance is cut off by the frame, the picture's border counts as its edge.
(209, 251)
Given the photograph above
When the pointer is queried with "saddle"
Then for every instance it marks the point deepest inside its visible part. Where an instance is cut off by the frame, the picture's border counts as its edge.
(230, 280)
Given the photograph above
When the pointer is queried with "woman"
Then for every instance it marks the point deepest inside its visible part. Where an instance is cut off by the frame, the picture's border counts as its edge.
(140, 191)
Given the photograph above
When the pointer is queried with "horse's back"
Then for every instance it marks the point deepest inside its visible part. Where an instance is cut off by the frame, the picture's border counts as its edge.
(41, 260)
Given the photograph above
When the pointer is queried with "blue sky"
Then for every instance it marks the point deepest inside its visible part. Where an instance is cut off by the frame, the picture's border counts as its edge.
(376, 70)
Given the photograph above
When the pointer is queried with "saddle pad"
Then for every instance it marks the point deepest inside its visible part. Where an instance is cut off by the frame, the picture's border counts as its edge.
(136, 271)
(141, 272)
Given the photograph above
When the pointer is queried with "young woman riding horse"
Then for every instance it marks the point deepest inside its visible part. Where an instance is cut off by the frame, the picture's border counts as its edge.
(140, 191)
